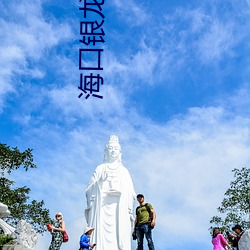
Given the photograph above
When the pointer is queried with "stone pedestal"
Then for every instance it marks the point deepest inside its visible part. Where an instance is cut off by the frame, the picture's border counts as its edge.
(244, 242)
(13, 247)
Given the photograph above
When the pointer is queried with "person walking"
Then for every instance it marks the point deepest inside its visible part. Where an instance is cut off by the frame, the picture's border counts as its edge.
(144, 223)
(85, 239)
(218, 240)
(56, 231)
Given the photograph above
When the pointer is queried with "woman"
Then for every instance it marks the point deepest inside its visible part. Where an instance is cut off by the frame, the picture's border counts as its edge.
(218, 240)
(84, 240)
(56, 231)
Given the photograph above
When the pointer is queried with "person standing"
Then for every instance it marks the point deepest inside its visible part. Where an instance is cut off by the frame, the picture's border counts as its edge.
(239, 231)
(218, 240)
(85, 239)
(143, 225)
(56, 231)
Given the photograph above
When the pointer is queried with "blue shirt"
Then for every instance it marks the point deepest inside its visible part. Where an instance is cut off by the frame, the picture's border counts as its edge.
(84, 242)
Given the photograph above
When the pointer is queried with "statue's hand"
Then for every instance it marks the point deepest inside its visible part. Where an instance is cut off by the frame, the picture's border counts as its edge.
(90, 201)
(104, 176)
(132, 217)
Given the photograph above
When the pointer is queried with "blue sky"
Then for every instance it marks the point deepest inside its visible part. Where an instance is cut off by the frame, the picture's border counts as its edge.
(176, 91)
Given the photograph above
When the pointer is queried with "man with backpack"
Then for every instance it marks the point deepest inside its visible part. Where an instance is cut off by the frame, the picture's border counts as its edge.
(144, 223)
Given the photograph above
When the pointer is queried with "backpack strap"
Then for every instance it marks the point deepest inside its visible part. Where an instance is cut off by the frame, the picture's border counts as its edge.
(147, 207)
(137, 210)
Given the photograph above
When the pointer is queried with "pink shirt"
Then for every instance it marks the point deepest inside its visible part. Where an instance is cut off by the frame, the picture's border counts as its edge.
(219, 242)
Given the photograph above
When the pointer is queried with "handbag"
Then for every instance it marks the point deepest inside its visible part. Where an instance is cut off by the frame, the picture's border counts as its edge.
(65, 236)
(134, 235)
(49, 227)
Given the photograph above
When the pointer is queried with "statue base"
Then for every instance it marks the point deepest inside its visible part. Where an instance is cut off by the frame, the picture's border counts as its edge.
(12, 247)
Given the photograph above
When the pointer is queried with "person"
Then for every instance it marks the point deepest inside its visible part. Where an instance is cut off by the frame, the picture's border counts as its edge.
(110, 198)
(239, 231)
(142, 226)
(218, 240)
(56, 231)
(231, 240)
(85, 239)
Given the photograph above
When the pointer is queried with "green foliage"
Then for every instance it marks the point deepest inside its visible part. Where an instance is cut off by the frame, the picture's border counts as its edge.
(12, 159)
(235, 206)
(17, 199)
(6, 240)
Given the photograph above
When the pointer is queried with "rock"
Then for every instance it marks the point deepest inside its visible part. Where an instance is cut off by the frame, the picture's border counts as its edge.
(244, 242)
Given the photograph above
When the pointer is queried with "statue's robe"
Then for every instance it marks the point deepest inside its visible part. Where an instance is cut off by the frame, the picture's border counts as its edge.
(110, 197)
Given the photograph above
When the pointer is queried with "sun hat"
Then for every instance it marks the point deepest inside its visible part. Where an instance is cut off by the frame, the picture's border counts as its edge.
(59, 213)
(87, 229)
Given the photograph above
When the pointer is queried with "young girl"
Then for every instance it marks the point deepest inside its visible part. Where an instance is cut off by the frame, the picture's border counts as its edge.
(218, 240)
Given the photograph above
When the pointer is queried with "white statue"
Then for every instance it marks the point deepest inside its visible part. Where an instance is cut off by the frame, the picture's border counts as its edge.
(244, 242)
(25, 235)
(110, 197)
(4, 212)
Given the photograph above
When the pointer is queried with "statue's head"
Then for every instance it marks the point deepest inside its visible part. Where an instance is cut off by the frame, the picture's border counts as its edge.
(113, 150)
(4, 211)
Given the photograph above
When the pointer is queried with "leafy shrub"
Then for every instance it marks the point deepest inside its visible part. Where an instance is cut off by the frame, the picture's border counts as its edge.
(6, 240)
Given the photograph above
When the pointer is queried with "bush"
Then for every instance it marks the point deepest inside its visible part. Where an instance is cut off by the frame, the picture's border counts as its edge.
(6, 240)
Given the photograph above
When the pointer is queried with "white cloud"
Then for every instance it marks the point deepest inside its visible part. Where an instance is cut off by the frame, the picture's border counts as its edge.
(130, 72)
(198, 33)
(25, 37)
(217, 42)
(198, 19)
(240, 101)
(66, 100)
(143, 64)
(131, 12)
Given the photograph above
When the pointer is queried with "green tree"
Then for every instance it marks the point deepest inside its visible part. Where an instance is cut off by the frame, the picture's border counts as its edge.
(17, 199)
(235, 207)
